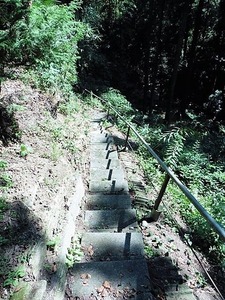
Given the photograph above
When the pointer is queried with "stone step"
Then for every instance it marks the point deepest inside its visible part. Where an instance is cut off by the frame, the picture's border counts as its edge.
(109, 186)
(100, 201)
(105, 246)
(103, 146)
(179, 291)
(98, 117)
(105, 154)
(108, 174)
(110, 280)
(102, 163)
(117, 220)
(98, 137)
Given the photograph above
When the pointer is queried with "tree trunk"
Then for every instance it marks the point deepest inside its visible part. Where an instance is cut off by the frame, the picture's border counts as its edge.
(173, 79)
(220, 41)
(192, 57)
(158, 51)
(146, 69)
(146, 77)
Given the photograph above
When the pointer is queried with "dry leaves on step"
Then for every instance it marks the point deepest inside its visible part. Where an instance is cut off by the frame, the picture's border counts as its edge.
(107, 285)
(104, 289)
(90, 250)
(129, 292)
(85, 277)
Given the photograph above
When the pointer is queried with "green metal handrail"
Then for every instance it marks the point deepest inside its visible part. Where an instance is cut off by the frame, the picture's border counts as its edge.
(169, 175)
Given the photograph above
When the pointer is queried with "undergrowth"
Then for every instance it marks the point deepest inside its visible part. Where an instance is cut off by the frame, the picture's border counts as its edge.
(42, 36)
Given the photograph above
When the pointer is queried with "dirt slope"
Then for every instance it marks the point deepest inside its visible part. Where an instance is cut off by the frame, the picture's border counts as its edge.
(41, 152)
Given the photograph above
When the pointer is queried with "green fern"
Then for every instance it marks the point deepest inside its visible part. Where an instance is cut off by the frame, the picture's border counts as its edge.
(174, 141)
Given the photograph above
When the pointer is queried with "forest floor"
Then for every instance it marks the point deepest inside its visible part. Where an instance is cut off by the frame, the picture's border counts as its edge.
(41, 153)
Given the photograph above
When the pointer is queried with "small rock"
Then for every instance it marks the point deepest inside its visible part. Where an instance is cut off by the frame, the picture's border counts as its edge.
(144, 224)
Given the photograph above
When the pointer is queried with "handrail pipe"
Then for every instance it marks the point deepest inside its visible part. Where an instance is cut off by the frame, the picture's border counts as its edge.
(170, 175)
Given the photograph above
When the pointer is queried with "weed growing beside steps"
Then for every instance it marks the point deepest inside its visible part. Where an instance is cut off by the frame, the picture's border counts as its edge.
(75, 252)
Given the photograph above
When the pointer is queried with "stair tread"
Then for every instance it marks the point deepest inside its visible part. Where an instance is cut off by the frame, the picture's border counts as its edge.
(101, 201)
(98, 137)
(108, 174)
(104, 163)
(103, 146)
(104, 154)
(132, 276)
(112, 246)
(109, 186)
(118, 219)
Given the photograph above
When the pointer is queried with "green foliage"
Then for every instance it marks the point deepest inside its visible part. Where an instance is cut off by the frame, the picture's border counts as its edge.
(24, 150)
(150, 252)
(52, 36)
(14, 108)
(69, 107)
(119, 102)
(3, 208)
(51, 244)
(13, 17)
(45, 38)
(3, 165)
(56, 151)
(5, 181)
(14, 276)
(174, 143)
(75, 252)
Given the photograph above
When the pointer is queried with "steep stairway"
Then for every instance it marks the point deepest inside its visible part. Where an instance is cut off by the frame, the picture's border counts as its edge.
(114, 266)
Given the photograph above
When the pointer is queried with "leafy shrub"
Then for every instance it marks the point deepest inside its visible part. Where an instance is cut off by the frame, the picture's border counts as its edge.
(119, 102)
(5, 182)
(51, 44)
(3, 165)
(45, 38)
(13, 17)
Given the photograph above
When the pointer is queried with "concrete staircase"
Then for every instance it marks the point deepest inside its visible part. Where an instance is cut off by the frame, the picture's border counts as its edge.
(114, 266)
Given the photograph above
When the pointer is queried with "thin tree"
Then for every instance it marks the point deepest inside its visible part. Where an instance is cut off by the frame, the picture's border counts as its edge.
(158, 50)
(192, 57)
(173, 79)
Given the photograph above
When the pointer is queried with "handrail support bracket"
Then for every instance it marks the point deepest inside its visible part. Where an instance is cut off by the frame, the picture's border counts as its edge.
(154, 215)
(127, 137)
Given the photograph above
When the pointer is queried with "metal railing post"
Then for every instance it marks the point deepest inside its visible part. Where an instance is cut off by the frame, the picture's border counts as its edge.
(155, 213)
(127, 137)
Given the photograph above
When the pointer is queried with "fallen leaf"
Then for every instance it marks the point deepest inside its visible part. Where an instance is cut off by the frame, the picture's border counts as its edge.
(104, 293)
(85, 282)
(85, 276)
(100, 290)
(90, 250)
(107, 285)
